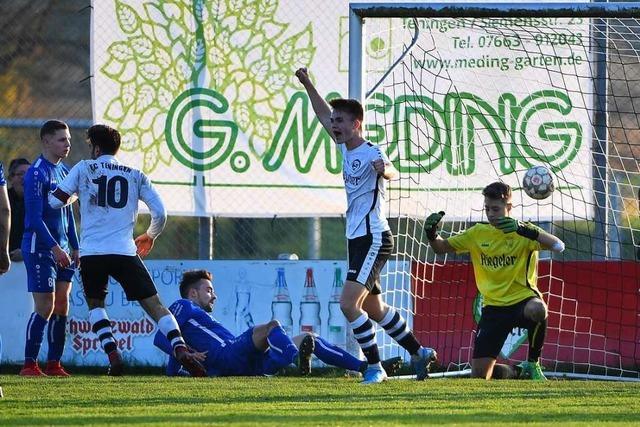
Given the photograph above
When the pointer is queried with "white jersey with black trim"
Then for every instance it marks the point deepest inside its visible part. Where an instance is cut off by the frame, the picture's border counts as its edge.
(366, 190)
(109, 193)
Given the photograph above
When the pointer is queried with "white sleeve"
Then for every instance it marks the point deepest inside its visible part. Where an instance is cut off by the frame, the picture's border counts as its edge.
(380, 154)
(71, 182)
(151, 198)
(69, 185)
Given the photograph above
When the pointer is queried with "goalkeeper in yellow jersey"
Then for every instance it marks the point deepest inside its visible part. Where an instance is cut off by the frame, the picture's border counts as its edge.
(504, 254)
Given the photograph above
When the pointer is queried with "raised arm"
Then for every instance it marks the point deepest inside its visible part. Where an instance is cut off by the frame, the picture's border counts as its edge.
(437, 243)
(65, 193)
(320, 106)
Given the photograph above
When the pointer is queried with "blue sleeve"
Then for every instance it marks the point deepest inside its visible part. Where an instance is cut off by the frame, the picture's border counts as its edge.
(71, 232)
(181, 310)
(3, 181)
(33, 194)
(161, 341)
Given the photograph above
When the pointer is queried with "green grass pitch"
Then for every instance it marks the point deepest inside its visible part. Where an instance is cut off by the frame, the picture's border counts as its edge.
(156, 400)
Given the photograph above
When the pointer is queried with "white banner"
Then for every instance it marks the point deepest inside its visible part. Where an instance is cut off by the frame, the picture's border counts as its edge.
(246, 292)
(205, 97)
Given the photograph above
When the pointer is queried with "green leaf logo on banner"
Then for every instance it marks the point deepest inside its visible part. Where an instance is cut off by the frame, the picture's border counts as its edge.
(179, 59)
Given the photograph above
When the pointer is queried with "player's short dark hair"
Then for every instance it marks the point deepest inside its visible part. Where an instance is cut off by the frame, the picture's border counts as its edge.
(190, 278)
(351, 106)
(51, 126)
(16, 163)
(497, 191)
(105, 137)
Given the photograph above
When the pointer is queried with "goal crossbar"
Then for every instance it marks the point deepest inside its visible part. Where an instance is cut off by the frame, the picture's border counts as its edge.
(496, 10)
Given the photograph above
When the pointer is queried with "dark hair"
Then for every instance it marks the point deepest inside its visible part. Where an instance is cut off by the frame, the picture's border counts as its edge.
(105, 137)
(51, 126)
(351, 106)
(189, 280)
(497, 191)
(15, 163)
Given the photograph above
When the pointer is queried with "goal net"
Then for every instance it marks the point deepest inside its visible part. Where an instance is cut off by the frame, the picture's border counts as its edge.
(464, 95)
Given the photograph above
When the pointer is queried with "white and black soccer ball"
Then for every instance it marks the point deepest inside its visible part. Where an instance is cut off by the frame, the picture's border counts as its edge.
(538, 183)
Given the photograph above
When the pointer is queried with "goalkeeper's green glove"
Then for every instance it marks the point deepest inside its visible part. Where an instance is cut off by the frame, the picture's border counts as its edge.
(509, 225)
(431, 225)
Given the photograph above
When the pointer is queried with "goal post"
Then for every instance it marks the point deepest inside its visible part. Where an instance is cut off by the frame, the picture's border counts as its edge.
(464, 94)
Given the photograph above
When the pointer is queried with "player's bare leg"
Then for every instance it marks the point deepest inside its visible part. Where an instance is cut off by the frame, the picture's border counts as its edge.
(503, 372)
(271, 337)
(482, 367)
(536, 311)
(169, 327)
(261, 333)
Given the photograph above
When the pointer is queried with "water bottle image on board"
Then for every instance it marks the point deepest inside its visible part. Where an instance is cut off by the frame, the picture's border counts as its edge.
(337, 322)
(244, 319)
(281, 303)
(310, 306)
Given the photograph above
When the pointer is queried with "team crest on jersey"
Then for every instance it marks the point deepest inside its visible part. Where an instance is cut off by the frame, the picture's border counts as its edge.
(93, 167)
(355, 164)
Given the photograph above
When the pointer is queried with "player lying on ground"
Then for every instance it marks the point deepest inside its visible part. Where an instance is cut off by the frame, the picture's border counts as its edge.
(366, 170)
(261, 350)
(504, 254)
(109, 192)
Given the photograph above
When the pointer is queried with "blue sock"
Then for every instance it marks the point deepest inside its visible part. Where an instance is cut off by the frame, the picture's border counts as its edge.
(281, 346)
(56, 336)
(35, 332)
(333, 355)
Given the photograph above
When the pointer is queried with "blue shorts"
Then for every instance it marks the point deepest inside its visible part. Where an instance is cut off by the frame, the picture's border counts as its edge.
(43, 272)
(241, 357)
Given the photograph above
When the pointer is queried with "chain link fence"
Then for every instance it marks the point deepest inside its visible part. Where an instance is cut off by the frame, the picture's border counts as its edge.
(45, 73)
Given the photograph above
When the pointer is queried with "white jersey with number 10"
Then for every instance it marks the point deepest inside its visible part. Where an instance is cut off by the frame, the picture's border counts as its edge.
(109, 193)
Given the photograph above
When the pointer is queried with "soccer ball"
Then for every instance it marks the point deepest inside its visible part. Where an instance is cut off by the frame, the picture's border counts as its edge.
(538, 183)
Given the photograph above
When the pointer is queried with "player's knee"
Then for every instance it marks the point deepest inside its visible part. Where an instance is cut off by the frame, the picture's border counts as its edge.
(273, 324)
(44, 307)
(44, 312)
(348, 309)
(535, 310)
(61, 308)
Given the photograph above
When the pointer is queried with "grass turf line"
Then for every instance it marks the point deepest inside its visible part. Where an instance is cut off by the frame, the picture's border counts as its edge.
(157, 400)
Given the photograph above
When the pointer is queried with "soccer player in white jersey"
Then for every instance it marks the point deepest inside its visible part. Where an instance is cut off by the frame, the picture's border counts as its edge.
(365, 170)
(109, 193)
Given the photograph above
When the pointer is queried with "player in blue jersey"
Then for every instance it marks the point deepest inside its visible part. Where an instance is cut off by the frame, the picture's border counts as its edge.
(5, 221)
(50, 251)
(261, 350)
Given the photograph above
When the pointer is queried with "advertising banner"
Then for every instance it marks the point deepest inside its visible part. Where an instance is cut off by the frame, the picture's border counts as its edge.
(302, 295)
(205, 96)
